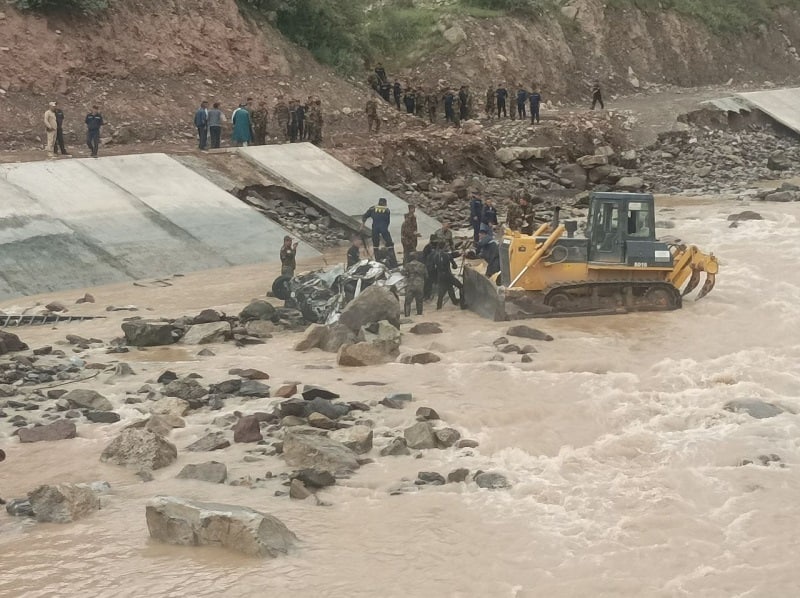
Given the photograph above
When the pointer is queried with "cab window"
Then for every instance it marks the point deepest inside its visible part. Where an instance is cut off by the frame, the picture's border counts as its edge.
(639, 220)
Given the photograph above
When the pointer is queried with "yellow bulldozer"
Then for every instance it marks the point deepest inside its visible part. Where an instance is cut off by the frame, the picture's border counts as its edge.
(618, 267)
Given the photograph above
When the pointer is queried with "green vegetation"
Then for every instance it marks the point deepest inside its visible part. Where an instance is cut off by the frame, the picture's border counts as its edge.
(720, 16)
(85, 7)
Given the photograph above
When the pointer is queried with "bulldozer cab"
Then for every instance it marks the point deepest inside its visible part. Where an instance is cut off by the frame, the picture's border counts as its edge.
(621, 228)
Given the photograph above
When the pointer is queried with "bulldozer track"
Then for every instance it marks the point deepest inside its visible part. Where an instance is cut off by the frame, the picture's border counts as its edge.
(610, 297)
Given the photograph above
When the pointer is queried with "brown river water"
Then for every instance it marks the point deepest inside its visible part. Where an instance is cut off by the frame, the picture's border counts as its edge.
(624, 464)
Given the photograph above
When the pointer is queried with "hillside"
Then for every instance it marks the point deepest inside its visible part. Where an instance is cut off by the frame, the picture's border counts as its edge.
(149, 62)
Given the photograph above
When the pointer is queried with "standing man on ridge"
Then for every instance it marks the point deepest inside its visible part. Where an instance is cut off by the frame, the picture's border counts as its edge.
(201, 122)
(50, 127)
(60, 132)
(94, 120)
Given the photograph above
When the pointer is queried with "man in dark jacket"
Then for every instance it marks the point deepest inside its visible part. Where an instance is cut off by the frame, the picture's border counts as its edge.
(449, 99)
(522, 97)
(201, 122)
(397, 90)
(535, 100)
(288, 255)
(354, 251)
(489, 215)
(463, 103)
(381, 217)
(94, 120)
(502, 95)
(59, 144)
(416, 276)
(444, 277)
(489, 251)
(475, 216)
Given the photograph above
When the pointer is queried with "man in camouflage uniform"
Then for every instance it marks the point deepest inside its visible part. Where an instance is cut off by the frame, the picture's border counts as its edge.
(470, 104)
(491, 105)
(416, 274)
(432, 101)
(422, 103)
(260, 120)
(519, 213)
(444, 237)
(408, 234)
(372, 116)
(281, 116)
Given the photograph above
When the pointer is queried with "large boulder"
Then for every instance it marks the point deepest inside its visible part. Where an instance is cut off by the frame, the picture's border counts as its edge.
(58, 430)
(83, 398)
(420, 436)
(779, 161)
(754, 408)
(420, 358)
(10, 343)
(202, 334)
(507, 155)
(358, 438)
(524, 331)
(258, 310)
(491, 480)
(144, 333)
(426, 328)
(630, 183)
(210, 442)
(247, 429)
(373, 305)
(314, 336)
(213, 472)
(140, 448)
(63, 503)
(362, 354)
(574, 174)
(339, 335)
(310, 450)
(187, 389)
(192, 523)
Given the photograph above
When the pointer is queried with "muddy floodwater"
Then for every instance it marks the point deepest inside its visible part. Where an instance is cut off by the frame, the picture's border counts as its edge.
(625, 467)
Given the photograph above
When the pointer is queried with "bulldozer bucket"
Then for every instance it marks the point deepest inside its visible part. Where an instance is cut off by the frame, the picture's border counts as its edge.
(482, 296)
(711, 280)
(693, 282)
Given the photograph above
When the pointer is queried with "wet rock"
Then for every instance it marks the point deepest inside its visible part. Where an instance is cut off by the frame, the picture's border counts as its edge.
(426, 328)
(254, 389)
(314, 337)
(630, 183)
(170, 406)
(392, 403)
(247, 429)
(210, 442)
(103, 417)
(526, 359)
(746, 215)
(458, 475)
(780, 196)
(314, 478)
(311, 451)
(573, 175)
(187, 389)
(491, 480)
(779, 161)
(427, 414)
(203, 334)
(140, 448)
(249, 374)
(286, 391)
(207, 316)
(361, 355)
(358, 406)
(261, 328)
(258, 310)
(373, 305)
(58, 430)
(88, 399)
(298, 490)
(420, 436)
(510, 348)
(293, 408)
(430, 477)
(10, 343)
(467, 443)
(395, 448)
(19, 507)
(192, 523)
(326, 408)
(357, 438)
(56, 306)
(311, 392)
(291, 421)
(166, 377)
(142, 333)
(46, 350)
(524, 331)
(754, 408)
(420, 358)
(226, 387)
(447, 437)
(528, 349)
(87, 298)
(339, 335)
(317, 420)
(63, 503)
(162, 424)
(384, 335)
(213, 472)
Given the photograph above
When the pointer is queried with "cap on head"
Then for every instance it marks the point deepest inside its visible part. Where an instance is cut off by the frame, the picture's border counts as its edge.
(287, 238)
(52, 104)
(382, 201)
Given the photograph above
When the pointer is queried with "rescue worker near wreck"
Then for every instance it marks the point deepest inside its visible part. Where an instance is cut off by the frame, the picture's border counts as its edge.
(416, 275)
(408, 234)
(489, 251)
(475, 216)
(354, 251)
(518, 214)
(381, 217)
(444, 237)
(444, 277)
(288, 257)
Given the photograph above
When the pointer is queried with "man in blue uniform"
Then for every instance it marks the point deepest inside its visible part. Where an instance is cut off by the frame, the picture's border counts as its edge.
(380, 228)
(94, 120)
(535, 99)
(475, 216)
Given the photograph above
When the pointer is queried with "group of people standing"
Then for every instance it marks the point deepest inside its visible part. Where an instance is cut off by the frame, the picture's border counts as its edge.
(498, 101)
(293, 122)
(54, 129)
